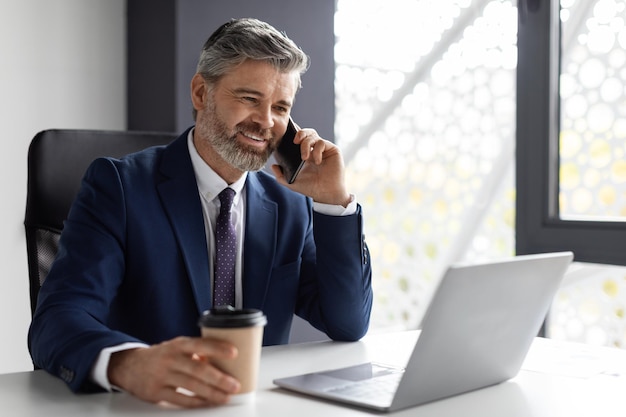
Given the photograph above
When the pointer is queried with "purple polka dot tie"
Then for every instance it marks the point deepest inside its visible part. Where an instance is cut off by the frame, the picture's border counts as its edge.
(226, 242)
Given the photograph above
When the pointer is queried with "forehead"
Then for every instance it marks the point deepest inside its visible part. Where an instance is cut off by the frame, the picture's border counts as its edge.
(263, 78)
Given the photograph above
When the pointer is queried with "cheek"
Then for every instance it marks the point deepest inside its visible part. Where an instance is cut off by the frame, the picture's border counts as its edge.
(228, 117)
(280, 126)
(234, 115)
(278, 131)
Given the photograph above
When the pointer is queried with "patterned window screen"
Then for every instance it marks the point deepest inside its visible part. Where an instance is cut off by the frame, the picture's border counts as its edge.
(426, 121)
(425, 117)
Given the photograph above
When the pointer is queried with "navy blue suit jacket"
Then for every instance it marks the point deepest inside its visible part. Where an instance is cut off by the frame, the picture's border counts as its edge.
(133, 263)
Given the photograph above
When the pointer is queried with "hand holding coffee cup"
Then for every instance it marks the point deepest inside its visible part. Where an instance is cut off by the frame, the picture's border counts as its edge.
(244, 329)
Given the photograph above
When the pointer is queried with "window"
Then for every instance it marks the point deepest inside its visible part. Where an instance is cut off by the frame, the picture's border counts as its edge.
(571, 185)
(571, 129)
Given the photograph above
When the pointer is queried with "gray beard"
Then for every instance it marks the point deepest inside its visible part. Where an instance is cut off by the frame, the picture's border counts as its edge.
(225, 143)
(237, 155)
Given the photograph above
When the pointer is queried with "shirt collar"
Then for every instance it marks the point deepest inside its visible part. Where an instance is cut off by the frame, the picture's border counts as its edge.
(210, 184)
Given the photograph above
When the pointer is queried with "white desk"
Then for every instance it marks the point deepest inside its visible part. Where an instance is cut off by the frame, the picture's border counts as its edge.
(557, 380)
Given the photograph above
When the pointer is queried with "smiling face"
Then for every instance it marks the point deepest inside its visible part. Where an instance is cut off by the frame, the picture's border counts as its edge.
(242, 117)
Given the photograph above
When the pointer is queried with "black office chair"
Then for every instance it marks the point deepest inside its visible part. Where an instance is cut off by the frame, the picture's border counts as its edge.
(57, 161)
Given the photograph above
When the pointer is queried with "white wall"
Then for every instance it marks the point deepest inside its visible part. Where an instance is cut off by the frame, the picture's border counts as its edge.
(62, 65)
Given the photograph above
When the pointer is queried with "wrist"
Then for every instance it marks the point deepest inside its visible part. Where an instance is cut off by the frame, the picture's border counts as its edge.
(117, 366)
(347, 200)
(343, 200)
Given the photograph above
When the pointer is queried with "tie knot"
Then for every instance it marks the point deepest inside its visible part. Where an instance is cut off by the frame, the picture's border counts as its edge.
(226, 198)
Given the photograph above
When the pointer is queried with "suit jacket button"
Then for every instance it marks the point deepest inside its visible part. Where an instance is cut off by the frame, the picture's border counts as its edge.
(66, 375)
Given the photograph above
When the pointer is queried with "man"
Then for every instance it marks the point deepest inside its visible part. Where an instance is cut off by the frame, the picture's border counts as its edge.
(120, 305)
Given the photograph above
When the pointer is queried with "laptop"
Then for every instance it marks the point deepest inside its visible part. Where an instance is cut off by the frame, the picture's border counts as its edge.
(476, 332)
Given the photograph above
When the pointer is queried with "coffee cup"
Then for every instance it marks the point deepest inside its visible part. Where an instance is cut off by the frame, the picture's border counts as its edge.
(244, 329)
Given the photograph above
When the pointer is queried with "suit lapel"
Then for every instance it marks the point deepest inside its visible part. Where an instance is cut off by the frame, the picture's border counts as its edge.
(180, 199)
(260, 243)
(179, 185)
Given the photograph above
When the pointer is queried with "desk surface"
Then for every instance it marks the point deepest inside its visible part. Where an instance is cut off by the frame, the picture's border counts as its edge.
(557, 380)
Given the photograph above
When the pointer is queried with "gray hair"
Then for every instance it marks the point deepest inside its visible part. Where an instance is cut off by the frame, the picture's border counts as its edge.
(241, 39)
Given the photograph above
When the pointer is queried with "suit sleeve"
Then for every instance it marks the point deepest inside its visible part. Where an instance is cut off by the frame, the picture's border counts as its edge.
(336, 289)
(68, 330)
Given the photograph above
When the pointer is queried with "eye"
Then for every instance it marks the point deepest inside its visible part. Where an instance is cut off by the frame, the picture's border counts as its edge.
(249, 99)
(281, 109)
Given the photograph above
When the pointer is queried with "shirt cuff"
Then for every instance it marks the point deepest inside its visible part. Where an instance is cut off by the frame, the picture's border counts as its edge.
(101, 365)
(336, 210)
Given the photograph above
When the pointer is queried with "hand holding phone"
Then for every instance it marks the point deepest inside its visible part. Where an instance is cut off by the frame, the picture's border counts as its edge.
(288, 153)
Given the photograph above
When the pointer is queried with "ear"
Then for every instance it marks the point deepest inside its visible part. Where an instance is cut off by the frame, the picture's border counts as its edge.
(198, 92)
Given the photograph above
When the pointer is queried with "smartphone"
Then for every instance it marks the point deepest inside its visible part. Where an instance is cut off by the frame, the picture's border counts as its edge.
(288, 153)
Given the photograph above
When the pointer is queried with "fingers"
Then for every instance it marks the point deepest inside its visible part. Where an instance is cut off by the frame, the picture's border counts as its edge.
(192, 391)
(173, 398)
(322, 177)
(312, 145)
(196, 373)
(204, 387)
(204, 347)
(178, 372)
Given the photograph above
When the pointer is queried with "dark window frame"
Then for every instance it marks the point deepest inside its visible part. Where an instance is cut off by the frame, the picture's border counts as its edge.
(538, 226)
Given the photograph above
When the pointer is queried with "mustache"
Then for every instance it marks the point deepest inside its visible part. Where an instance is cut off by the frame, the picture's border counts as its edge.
(254, 129)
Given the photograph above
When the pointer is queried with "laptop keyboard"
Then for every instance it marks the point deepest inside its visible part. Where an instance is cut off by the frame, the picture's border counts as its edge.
(379, 388)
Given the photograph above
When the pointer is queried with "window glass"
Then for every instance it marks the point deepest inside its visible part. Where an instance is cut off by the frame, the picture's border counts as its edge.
(592, 177)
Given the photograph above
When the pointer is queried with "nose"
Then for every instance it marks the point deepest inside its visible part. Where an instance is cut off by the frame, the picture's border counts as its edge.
(264, 117)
